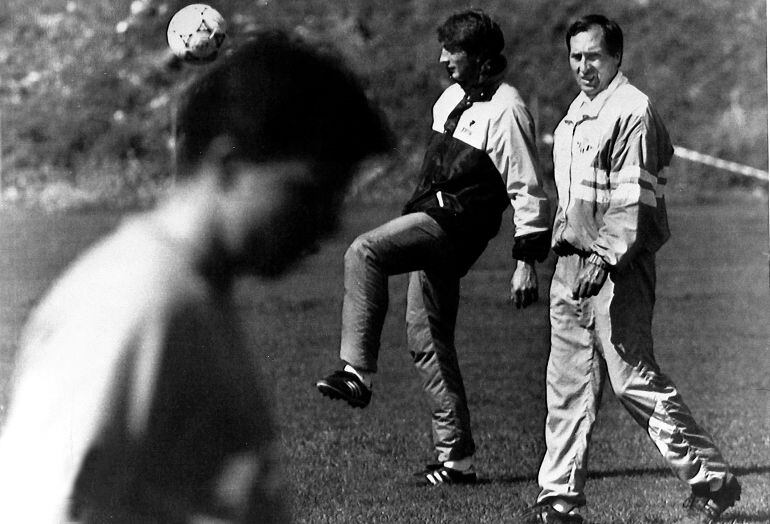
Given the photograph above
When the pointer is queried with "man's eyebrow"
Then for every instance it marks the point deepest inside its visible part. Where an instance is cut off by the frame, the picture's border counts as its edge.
(587, 53)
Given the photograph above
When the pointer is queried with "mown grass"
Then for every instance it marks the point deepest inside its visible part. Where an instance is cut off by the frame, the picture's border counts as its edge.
(347, 466)
(712, 338)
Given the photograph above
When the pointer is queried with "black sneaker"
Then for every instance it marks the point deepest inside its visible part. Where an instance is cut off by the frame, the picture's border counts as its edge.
(544, 513)
(436, 474)
(705, 507)
(346, 386)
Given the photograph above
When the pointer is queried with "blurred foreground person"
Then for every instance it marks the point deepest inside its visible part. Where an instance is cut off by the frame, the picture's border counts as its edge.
(609, 154)
(480, 159)
(135, 398)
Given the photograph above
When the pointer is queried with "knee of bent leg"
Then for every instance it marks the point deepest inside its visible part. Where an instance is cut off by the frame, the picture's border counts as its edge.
(360, 249)
(640, 382)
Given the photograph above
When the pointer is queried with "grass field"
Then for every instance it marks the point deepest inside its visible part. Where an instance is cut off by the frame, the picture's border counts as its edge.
(712, 338)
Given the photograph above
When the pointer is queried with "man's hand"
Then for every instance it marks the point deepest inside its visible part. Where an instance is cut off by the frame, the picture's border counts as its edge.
(591, 277)
(524, 284)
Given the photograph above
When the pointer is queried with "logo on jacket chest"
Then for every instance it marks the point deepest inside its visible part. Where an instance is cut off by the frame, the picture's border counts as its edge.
(582, 145)
(466, 129)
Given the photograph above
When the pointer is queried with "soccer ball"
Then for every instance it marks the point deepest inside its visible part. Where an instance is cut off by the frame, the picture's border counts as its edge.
(196, 32)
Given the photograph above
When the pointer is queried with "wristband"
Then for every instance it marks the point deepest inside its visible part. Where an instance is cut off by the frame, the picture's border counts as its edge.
(598, 261)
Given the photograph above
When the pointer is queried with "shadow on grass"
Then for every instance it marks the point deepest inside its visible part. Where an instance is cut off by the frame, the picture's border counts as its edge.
(627, 472)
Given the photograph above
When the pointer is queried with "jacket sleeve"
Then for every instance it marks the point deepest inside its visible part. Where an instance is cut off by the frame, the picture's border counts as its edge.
(514, 151)
(636, 216)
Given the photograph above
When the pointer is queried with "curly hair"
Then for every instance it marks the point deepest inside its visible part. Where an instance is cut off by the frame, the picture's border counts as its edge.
(472, 31)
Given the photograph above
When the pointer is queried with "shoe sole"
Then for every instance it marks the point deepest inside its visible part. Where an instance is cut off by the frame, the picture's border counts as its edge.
(425, 481)
(327, 390)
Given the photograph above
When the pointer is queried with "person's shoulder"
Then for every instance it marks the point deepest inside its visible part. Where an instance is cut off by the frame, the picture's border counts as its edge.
(161, 263)
(506, 93)
(631, 100)
(508, 101)
(128, 273)
(450, 96)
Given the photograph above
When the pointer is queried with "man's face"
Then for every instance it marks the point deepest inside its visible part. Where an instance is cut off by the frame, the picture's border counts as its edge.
(461, 67)
(593, 67)
(274, 214)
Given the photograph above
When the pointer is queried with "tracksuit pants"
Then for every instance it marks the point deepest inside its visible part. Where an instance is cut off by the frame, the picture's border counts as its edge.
(414, 244)
(614, 327)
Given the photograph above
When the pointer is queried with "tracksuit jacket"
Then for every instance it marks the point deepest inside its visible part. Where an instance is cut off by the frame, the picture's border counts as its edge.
(480, 158)
(609, 154)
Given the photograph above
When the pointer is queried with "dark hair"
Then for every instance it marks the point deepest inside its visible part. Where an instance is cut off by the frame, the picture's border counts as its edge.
(472, 31)
(613, 36)
(277, 98)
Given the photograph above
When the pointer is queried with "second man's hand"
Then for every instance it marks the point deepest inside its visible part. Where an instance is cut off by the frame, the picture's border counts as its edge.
(524, 284)
(591, 277)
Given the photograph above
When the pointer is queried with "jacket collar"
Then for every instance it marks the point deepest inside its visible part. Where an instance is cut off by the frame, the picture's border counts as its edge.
(487, 86)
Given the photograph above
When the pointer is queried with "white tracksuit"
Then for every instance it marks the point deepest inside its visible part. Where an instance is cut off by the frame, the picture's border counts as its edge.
(609, 154)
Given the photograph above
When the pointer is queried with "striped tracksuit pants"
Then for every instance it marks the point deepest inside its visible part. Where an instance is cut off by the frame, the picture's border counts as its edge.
(614, 327)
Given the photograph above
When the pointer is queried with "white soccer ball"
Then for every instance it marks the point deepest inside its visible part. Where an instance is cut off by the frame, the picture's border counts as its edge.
(196, 32)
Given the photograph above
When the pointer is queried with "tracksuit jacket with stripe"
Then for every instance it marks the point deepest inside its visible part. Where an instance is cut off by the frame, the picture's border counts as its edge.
(609, 154)
(480, 158)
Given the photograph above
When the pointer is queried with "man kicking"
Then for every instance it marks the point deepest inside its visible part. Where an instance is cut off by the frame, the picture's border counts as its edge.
(481, 158)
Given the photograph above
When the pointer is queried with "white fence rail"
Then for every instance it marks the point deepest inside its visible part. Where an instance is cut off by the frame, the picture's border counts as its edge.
(733, 167)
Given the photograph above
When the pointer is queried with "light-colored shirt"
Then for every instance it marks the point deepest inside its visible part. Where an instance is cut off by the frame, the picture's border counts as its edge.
(135, 397)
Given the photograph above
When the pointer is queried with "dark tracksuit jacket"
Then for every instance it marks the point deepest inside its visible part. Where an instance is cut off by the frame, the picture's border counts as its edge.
(481, 157)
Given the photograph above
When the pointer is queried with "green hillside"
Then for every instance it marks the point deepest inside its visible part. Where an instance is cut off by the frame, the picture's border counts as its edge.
(86, 109)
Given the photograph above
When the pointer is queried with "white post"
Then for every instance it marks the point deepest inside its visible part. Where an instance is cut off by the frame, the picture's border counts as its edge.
(2, 181)
(767, 47)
